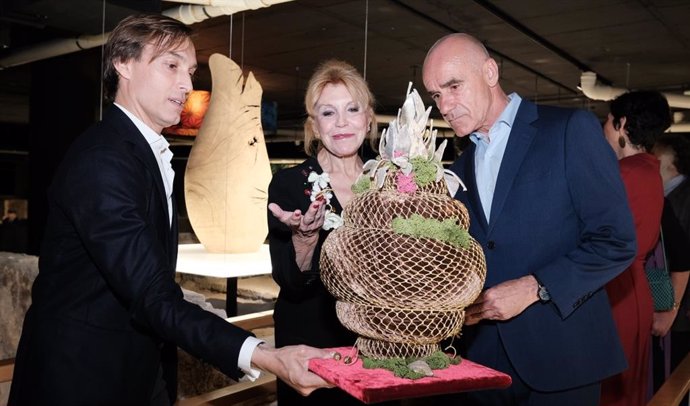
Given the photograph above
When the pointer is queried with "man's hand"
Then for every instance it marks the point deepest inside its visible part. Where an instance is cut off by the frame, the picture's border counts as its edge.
(291, 365)
(662, 322)
(503, 301)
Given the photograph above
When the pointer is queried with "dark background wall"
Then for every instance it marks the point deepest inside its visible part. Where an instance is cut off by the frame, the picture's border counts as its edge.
(64, 102)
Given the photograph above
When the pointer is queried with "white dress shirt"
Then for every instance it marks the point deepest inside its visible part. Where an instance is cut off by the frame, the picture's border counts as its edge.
(489, 152)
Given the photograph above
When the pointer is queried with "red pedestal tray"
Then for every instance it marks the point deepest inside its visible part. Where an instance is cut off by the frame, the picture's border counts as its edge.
(378, 385)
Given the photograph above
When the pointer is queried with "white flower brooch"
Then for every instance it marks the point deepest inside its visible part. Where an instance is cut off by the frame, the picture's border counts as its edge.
(321, 189)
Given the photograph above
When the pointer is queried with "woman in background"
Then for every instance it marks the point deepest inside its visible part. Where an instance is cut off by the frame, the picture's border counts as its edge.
(305, 203)
(673, 151)
(633, 125)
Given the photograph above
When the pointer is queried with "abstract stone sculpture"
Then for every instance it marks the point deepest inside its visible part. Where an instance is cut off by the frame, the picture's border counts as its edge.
(228, 172)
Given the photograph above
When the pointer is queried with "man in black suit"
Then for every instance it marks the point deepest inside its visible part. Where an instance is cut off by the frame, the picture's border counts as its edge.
(107, 314)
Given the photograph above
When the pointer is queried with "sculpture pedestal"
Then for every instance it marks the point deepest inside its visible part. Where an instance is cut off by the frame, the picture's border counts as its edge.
(194, 259)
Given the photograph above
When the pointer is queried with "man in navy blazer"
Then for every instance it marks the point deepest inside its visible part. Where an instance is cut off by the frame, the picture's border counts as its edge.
(548, 206)
(106, 313)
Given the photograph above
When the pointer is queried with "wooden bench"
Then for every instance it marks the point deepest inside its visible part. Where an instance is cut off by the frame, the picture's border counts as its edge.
(263, 387)
(675, 387)
(253, 321)
(6, 370)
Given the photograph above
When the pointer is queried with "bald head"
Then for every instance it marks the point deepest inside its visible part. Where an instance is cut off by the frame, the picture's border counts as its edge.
(460, 45)
(462, 79)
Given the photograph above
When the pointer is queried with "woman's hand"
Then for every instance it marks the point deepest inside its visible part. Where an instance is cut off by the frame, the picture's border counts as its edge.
(662, 322)
(305, 229)
(308, 224)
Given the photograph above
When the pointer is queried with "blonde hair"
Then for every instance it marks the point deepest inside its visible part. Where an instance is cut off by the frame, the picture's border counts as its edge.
(332, 72)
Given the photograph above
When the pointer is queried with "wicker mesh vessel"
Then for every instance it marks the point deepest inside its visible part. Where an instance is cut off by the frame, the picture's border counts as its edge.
(402, 295)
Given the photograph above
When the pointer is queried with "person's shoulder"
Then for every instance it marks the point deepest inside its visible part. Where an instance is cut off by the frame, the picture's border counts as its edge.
(559, 113)
(570, 121)
(681, 192)
(104, 148)
(643, 168)
(115, 133)
(300, 170)
(289, 179)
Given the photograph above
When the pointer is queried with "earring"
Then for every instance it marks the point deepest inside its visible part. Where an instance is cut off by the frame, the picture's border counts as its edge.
(621, 141)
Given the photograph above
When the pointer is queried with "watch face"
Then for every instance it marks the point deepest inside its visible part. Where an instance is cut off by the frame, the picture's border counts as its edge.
(543, 294)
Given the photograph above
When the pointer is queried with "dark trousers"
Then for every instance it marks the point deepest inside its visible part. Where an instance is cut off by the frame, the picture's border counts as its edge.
(519, 394)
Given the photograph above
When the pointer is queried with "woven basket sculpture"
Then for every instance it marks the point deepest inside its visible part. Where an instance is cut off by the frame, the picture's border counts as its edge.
(403, 267)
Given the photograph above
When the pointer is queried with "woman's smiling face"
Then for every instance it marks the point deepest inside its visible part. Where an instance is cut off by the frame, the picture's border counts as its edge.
(340, 122)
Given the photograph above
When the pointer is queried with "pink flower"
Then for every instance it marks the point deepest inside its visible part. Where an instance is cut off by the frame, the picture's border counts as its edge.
(406, 183)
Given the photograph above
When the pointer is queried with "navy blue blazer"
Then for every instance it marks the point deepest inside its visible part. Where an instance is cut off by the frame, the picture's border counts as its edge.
(559, 212)
(106, 311)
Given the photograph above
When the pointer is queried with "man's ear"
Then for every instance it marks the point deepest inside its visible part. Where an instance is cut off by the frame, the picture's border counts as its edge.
(123, 68)
(491, 72)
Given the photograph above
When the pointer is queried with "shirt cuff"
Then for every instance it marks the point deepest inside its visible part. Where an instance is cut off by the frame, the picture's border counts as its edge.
(244, 361)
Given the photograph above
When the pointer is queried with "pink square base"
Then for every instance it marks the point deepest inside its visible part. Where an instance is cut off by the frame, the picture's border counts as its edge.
(378, 385)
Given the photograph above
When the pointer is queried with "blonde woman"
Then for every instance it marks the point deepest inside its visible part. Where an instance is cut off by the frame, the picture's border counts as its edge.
(305, 203)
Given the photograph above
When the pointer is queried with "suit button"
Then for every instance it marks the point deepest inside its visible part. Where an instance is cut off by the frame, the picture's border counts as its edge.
(490, 245)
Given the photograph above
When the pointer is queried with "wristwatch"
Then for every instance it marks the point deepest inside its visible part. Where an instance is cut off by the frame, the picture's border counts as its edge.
(542, 293)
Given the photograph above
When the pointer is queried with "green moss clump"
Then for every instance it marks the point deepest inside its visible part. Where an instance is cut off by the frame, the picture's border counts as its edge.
(399, 366)
(446, 230)
(396, 365)
(362, 185)
(440, 360)
(424, 171)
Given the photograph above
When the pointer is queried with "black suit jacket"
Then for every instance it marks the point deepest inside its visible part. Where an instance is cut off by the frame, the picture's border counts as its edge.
(105, 305)
(679, 199)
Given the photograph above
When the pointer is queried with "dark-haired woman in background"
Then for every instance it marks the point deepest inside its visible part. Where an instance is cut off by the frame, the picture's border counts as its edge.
(635, 121)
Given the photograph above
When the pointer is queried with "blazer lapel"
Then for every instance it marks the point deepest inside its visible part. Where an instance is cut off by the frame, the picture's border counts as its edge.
(521, 135)
(141, 149)
(472, 192)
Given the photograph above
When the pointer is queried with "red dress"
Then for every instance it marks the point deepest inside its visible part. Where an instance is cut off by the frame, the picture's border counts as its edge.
(629, 294)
